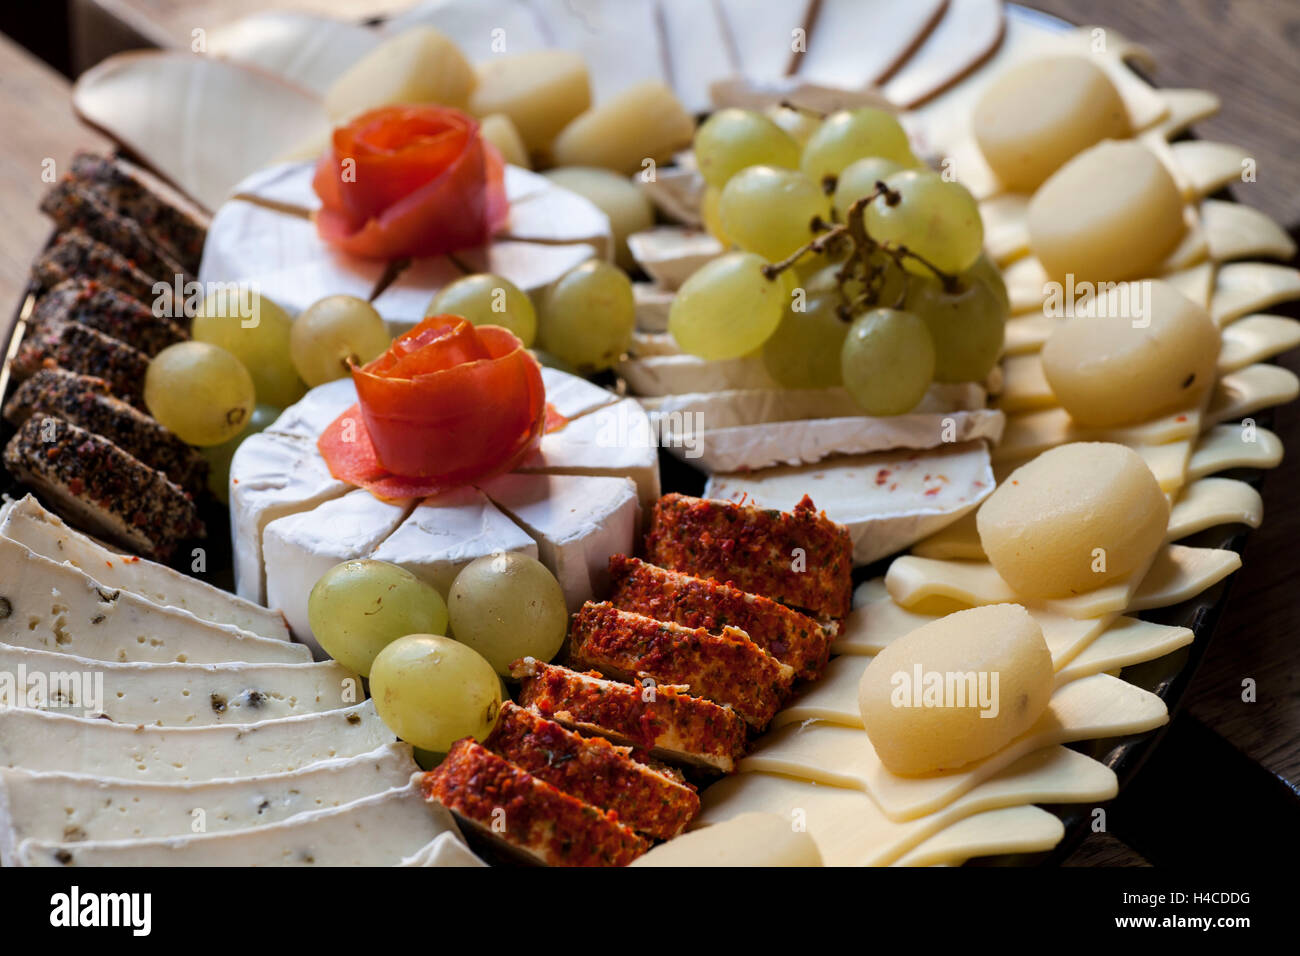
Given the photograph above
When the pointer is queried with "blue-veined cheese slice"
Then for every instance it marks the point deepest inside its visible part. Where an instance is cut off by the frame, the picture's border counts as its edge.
(379, 830)
(42, 740)
(58, 806)
(176, 695)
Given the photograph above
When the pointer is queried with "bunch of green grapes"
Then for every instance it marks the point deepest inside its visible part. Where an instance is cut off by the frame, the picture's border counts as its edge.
(852, 264)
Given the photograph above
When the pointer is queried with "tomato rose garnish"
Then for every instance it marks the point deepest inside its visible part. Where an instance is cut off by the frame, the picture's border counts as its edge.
(448, 403)
(409, 181)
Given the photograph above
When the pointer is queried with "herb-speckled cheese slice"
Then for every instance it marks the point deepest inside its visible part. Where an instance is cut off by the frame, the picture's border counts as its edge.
(75, 807)
(378, 830)
(55, 607)
(41, 740)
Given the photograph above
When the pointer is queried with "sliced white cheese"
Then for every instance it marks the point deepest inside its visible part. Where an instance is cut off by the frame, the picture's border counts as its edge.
(45, 533)
(72, 807)
(751, 839)
(1256, 338)
(672, 254)
(1237, 231)
(1023, 829)
(445, 533)
(299, 548)
(620, 42)
(837, 54)
(696, 50)
(272, 475)
(1244, 287)
(1210, 502)
(56, 607)
(578, 522)
(887, 500)
(172, 695)
(378, 830)
(967, 34)
(653, 302)
(572, 396)
(615, 441)
(447, 849)
(307, 50)
(45, 741)
(480, 29)
(1234, 446)
(760, 34)
(680, 374)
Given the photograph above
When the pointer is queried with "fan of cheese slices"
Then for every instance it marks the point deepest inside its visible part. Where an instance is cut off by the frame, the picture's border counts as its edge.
(914, 480)
(224, 743)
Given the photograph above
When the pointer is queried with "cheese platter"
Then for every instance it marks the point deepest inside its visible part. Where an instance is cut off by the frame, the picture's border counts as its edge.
(657, 455)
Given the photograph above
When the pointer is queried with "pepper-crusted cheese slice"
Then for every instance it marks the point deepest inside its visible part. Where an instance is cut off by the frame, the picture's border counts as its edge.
(851, 830)
(842, 756)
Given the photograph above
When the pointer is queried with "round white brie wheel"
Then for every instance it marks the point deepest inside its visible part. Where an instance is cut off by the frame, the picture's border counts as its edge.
(264, 237)
(574, 503)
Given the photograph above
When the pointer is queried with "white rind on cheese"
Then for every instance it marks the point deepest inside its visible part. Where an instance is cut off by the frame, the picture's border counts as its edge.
(55, 607)
(577, 521)
(174, 695)
(672, 254)
(71, 807)
(378, 830)
(615, 441)
(653, 303)
(445, 533)
(272, 475)
(39, 740)
(680, 374)
(447, 849)
(45, 534)
(299, 548)
(572, 396)
(887, 500)
(316, 411)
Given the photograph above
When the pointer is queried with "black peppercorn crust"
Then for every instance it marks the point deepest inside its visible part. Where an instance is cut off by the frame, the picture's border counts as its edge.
(75, 255)
(108, 311)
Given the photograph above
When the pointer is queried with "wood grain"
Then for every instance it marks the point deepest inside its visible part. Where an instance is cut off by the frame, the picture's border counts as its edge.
(38, 115)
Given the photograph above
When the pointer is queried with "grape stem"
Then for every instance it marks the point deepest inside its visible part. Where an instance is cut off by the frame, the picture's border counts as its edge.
(864, 246)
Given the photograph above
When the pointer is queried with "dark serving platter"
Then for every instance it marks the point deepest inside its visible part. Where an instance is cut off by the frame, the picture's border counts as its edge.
(1229, 780)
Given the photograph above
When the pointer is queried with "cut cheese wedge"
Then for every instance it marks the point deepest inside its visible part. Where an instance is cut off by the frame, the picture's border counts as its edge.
(572, 396)
(1256, 338)
(1234, 446)
(443, 534)
(578, 522)
(696, 48)
(174, 695)
(264, 236)
(1237, 231)
(683, 374)
(1211, 502)
(38, 740)
(307, 50)
(56, 607)
(851, 830)
(967, 34)
(760, 34)
(44, 533)
(842, 756)
(1244, 287)
(672, 254)
(312, 414)
(836, 55)
(379, 830)
(473, 24)
(620, 43)
(1179, 574)
(1026, 829)
(272, 475)
(447, 849)
(299, 548)
(751, 839)
(71, 807)
(1029, 433)
(1128, 640)
(1250, 390)
(887, 500)
(165, 105)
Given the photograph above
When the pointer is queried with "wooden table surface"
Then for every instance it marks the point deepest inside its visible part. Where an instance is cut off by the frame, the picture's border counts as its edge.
(1244, 50)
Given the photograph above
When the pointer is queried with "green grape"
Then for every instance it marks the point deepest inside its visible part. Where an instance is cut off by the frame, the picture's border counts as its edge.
(888, 361)
(331, 335)
(507, 606)
(967, 325)
(859, 179)
(487, 299)
(887, 289)
(804, 351)
(934, 218)
(588, 316)
(201, 392)
(728, 308)
(358, 608)
(850, 135)
(711, 216)
(985, 271)
(432, 691)
(256, 331)
(732, 139)
(800, 124)
(770, 211)
(218, 456)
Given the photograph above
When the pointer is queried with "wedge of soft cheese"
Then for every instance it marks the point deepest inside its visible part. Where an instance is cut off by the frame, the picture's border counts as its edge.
(444, 534)
(271, 476)
(171, 695)
(578, 522)
(379, 830)
(887, 500)
(299, 548)
(447, 849)
(55, 607)
(40, 740)
(45, 533)
(616, 441)
(71, 807)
